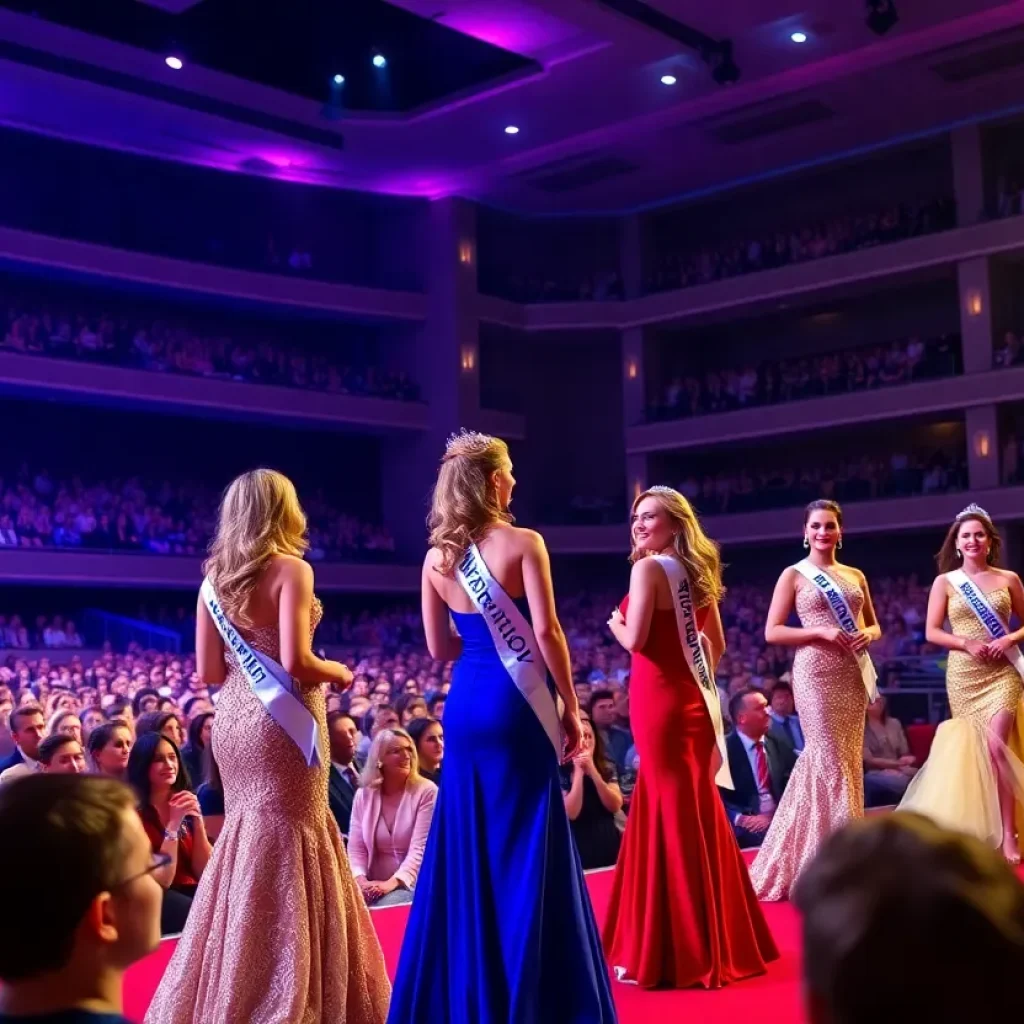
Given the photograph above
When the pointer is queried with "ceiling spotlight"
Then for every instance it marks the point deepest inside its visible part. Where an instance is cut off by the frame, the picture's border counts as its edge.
(668, 79)
(174, 62)
(798, 37)
(511, 129)
(379, 60)
(724, 69)
(881, 16)
(339, 79)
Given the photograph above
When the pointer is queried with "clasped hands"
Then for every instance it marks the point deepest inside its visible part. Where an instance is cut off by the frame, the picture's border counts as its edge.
(373, 891)
(852, 642)
(993, 650)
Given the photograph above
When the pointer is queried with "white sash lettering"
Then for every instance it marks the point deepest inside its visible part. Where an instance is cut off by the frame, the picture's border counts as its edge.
(978, 602)
(269, 681)
(514, 641)
(844, 617)
(693, 650)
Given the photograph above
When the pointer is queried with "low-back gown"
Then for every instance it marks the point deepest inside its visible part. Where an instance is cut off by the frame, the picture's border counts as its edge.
(682, 911)
(501, 929)
(826, 789)
(958, 787)
(278, 932)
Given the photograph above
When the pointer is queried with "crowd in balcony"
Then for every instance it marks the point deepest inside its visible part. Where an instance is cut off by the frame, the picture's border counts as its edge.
(170, 345)
(786, 380)
(685, 267)
(151, 516)
(57, 632)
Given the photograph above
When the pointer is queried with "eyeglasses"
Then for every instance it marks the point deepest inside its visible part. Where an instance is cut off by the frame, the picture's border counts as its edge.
(160, 860)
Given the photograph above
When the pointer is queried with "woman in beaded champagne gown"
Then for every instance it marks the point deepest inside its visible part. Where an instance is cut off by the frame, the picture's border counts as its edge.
(973, 780)
(278, 932)
(826, 788)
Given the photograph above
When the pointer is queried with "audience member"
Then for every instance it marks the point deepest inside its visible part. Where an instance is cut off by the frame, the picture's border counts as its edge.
(28, 726)
(888, 763)
(760, 762)
(390, 822)
(784, 717)
(110, 746)
(345, 768)
(62, 754)
(66, 947)
(200, 729)
(604, 713)
(428, 735)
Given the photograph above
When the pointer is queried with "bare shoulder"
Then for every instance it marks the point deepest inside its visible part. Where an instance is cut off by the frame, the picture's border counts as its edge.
(292, 568)
(1011, 578)
(789, 576)
(433, 559)
(940, 585)
(646, 569)
(524, 539)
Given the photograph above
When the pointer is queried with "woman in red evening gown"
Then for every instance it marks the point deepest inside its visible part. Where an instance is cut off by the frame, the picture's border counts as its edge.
(682, 911)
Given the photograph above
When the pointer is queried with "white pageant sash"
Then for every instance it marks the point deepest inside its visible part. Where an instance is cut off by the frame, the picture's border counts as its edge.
(847, 623)
(269, 681)
(978, 602)
(696, 660)
(514, 641)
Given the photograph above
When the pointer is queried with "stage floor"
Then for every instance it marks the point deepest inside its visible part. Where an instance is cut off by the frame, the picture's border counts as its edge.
(772, 999)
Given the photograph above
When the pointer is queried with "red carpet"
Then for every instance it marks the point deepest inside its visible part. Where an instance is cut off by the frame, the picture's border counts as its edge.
(773, 999)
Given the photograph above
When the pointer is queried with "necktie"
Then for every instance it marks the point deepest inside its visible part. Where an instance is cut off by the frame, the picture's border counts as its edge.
(761, 760)
(787, 724)
(353, 779)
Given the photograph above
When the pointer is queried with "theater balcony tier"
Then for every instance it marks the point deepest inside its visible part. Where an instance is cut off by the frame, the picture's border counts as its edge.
(1004, 504)
(905, 261)
(95, 569)
(86, 259)
(931, 396)
(31, 375)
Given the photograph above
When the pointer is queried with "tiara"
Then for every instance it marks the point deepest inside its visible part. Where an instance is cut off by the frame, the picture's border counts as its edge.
(466, 442)
(973, 510)
(661, 489)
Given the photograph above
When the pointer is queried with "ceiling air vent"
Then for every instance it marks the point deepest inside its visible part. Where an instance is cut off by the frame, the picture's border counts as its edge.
(769, 122)
(569, 175)
(1005, 56)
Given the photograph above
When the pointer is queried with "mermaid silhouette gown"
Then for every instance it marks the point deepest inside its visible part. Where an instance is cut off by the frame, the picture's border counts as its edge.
(278, 932)
(501, 929)
(826, 789)
(958, 787)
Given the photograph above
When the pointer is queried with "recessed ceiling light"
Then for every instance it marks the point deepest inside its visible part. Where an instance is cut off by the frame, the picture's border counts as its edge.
(379, 60)
(511, 129)
(798, 37)
(668, 79)
(174, 62)
(339, 79)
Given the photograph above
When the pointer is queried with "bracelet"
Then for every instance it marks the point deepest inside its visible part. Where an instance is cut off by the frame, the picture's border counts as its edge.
(168, 834)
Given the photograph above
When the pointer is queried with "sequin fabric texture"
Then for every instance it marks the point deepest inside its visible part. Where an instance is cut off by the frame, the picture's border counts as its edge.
(826, 788)
(278, 932)
(978, 690)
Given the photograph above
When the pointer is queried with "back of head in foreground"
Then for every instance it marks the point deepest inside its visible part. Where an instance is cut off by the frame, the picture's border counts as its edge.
(67, 942)
(904, 920)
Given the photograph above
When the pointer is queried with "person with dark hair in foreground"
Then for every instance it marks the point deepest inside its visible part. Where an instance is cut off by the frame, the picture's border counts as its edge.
(65, 947)
(906, 921)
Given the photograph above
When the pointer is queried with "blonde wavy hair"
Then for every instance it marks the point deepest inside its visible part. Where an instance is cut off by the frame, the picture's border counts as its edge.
(465, 504)
(698, 553)
(372, 776)
(260, 516)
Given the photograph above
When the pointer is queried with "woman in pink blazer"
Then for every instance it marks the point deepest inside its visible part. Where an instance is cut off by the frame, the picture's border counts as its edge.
(390, 822)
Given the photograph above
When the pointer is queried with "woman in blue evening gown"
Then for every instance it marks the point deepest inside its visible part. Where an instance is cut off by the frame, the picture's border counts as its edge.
(501, 929)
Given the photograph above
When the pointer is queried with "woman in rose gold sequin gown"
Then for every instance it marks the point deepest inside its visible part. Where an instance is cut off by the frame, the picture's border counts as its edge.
(826, 788)
(278, 932)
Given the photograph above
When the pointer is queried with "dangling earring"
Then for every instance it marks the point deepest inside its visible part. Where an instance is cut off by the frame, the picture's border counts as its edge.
(807, 544)
(380, 766)
(839, 544)
(959, 554)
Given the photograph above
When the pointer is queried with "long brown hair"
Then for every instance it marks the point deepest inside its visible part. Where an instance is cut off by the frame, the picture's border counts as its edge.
(260, 516)
(947, 558)
(465, 503)
(698, 553)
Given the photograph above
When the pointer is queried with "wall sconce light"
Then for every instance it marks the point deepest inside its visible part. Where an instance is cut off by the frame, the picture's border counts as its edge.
(468, 359)
(982, 444)
(973, 301)
(466, 252)
(631, 370)
(638, 489)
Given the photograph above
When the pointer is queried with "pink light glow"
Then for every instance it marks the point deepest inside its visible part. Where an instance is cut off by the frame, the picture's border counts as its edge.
(516, 27)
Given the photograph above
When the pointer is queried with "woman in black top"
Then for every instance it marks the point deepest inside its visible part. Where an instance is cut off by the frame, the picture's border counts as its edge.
(590, 788)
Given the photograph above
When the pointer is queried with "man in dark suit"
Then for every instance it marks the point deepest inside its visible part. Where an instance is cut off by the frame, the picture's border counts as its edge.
(761, 761)
(27, 726)
(344, 776)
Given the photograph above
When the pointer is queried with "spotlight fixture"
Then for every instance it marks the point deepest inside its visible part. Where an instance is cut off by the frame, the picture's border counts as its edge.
(668, 79)
(175, 63)
(724, 69)
(379, 60)
(339, 79)
(511, 129)
(881, 16)
(798, 37)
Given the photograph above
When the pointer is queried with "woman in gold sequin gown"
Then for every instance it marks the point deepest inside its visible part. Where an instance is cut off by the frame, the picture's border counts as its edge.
(826, 788)
(973, 780)
(278, 932)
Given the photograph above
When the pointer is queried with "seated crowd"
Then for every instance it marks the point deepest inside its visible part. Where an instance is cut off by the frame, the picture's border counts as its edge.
(38, 510)
(864, 478)
(685, 268)
(177, 346)
(146, 718)
(786, 380)
(47, 631)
